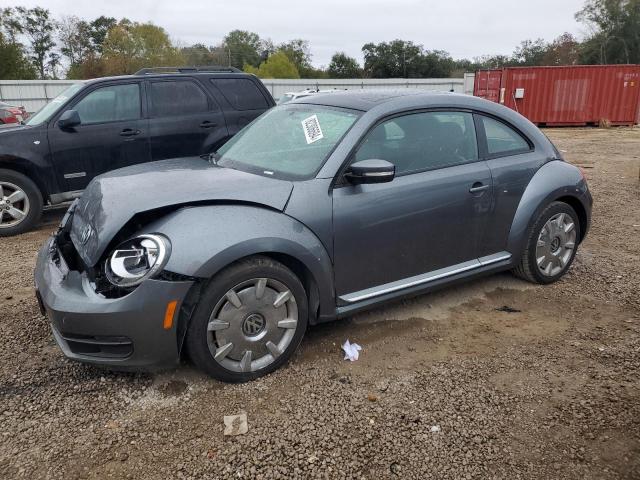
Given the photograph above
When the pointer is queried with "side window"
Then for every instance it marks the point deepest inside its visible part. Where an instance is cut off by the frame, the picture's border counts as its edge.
(241, 93)
(502, 139)
(110, 104)
(176, 98)
(422, 141)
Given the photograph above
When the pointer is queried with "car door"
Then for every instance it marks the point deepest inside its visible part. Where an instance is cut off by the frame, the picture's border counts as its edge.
(184, 120)
(513, 161)
(430, 217)
(113, 134)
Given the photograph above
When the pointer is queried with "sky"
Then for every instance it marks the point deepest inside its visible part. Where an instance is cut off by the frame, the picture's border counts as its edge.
(464, 28)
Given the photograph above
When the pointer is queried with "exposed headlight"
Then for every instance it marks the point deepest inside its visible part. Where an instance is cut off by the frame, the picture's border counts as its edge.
(137, 259)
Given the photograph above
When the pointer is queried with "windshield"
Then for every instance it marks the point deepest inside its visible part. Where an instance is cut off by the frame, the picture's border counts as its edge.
(46, 112)
(291, 141)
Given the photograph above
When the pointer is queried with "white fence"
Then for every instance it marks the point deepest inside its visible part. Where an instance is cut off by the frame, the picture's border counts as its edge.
(278, 87)
(34, 94)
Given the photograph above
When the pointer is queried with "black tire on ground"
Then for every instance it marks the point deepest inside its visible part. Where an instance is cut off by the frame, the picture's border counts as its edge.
(527, 269)
(251, 268)
(34, 197)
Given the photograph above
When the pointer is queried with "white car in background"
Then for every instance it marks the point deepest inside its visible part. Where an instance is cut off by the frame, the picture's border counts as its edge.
(289, 96)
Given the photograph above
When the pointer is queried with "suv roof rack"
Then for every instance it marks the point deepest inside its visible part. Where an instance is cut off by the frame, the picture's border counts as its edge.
(209, 68)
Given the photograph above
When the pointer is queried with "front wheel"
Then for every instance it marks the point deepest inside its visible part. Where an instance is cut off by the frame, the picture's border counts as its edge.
(249, 321)
(20, 203)
(551, 246)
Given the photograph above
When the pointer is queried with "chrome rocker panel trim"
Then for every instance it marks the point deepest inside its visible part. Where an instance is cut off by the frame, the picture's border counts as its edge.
(424, 278)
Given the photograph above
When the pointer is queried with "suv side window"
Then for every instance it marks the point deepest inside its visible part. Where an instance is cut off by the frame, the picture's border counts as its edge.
(112, 103)
(241, 93)
(171, 98)
(422, 141)
(502, 139)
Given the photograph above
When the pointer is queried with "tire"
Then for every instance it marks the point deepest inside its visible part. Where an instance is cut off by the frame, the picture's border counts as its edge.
(547, 263)
(31, 204)
(249, 319)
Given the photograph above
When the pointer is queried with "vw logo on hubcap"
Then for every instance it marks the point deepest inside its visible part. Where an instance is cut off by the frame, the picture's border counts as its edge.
(253, 324)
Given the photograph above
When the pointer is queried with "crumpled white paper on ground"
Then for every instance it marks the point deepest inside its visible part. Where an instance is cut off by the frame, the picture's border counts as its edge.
(351, 351)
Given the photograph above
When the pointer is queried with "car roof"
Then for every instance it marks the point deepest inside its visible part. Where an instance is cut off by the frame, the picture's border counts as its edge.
(168, 75)
(365, 100)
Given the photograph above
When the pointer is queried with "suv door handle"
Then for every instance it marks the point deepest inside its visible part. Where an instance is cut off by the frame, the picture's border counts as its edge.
(207, 124)
(129, 132)
(478, 187)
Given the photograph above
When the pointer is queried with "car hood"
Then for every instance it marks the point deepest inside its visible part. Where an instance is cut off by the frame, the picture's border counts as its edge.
(112, 199)
(12, 127)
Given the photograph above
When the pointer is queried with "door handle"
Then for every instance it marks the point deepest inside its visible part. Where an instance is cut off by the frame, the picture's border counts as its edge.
(207, 124)
(478, 187)
(129, 132)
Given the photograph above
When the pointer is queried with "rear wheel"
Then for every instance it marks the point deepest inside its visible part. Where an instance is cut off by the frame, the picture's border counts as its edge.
(551, 246)
(20, 203)
(249, 321)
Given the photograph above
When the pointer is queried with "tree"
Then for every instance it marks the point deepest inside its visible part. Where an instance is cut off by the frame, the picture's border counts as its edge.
(405, 59)
(564, 50)
(10, 24)
(13, 63)
(615, 26)
(130, 46)
(243, 48)
(277, 65)
(40, 29)
(530, 52)
(75, 39)
(299, 53)
(98, 30)
(344, 66)
(436, 64)
(200, 54)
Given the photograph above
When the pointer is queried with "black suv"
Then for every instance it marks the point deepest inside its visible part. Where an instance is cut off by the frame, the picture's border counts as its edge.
(107, 123)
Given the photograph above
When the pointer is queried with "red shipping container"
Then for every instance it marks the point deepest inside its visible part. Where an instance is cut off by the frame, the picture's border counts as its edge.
(569, 95)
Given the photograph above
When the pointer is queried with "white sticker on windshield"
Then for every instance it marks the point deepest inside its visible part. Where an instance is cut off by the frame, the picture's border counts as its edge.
(312, 130)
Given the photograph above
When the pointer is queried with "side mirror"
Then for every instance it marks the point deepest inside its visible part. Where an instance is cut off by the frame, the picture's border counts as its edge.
(69, 119)
(370, 171)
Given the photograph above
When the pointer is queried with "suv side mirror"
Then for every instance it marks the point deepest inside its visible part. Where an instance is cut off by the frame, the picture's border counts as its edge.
(370, 171)
(69, 119)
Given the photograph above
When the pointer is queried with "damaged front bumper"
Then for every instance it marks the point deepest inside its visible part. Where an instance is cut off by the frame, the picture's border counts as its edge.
(125, 332)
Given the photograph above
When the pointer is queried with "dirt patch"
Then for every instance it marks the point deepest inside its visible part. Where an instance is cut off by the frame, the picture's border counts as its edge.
(448, 385)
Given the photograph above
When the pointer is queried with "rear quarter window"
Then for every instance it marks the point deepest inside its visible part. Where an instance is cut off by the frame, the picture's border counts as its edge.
(241, 93)
(502, 139)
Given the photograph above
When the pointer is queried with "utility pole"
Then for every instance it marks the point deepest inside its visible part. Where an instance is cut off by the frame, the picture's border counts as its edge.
(404, 60)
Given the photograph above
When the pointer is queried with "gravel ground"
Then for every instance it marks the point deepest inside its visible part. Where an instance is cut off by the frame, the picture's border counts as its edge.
(449, 385)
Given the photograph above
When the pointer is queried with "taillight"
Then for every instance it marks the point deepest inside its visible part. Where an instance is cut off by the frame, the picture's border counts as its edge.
(8, 116)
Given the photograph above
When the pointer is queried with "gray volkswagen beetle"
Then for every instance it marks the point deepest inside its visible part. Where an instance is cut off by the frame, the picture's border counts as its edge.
(320, 208)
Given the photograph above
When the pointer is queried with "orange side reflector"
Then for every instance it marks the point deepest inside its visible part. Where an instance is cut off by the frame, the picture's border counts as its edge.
(168, 315)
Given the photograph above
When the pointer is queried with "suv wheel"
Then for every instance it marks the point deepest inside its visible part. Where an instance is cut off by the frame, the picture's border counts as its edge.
(551, 246)
(249, 321)
(20, 203)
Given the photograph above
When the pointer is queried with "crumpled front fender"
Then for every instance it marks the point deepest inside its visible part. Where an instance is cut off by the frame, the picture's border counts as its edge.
(205, 239)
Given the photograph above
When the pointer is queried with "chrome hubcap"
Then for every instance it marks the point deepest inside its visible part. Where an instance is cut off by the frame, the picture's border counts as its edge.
(252, 325)
(14, 205)
(556, 243)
